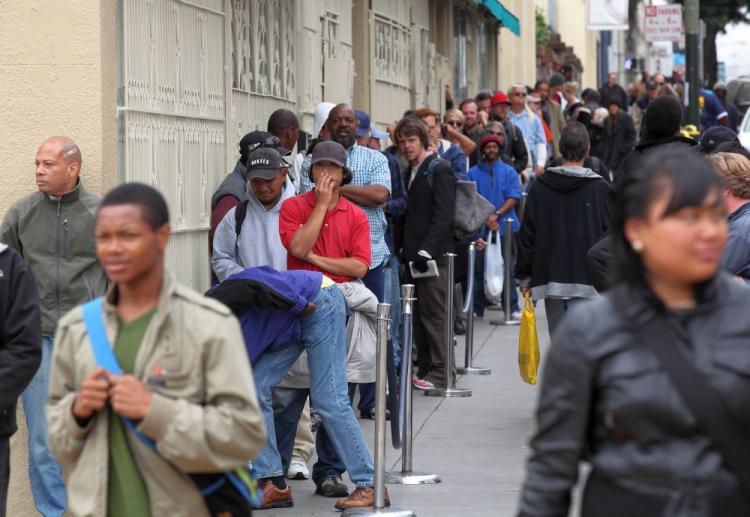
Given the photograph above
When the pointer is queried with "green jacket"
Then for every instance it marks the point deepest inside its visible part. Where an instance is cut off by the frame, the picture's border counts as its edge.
(55, 237)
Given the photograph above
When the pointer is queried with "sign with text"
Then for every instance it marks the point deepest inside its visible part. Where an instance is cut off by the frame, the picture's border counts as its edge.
(663, 23)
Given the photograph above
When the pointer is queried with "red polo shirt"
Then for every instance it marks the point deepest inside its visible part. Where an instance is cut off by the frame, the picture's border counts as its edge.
(345, 232)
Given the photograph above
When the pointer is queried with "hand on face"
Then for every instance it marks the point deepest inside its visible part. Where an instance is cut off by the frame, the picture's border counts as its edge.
(324, 188)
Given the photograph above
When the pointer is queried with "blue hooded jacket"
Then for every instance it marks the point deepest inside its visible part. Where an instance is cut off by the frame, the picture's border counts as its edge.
(496, 183)
(268, 304)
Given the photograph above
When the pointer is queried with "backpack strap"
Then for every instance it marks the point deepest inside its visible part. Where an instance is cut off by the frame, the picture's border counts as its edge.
(437, 160)
(104, 355)
(240, 212)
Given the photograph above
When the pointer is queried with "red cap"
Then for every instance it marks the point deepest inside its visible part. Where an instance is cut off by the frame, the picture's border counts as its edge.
(499, 98)
(490, 138)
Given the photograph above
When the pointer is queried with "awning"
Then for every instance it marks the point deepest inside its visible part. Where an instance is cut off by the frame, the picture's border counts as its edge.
(503, 15)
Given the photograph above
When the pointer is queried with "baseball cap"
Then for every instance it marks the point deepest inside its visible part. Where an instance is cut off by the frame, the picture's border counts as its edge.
(329, 151)
(264, 162)
(366, 128)
(714, 136)
(499, 98)
(257, 139)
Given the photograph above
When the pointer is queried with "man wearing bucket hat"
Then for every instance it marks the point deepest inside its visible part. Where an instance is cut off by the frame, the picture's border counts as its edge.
(248, 236)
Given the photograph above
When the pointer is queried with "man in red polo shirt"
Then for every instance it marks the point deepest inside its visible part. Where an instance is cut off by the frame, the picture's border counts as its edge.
(322, 230)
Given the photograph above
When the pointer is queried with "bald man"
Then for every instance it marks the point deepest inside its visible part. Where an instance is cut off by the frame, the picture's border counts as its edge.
(53, 231)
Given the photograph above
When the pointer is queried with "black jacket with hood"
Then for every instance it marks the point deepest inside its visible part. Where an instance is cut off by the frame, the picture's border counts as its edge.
(20, 334)
(567, 210)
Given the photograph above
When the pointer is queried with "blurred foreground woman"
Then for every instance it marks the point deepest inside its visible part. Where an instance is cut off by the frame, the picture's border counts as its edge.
(630, 377)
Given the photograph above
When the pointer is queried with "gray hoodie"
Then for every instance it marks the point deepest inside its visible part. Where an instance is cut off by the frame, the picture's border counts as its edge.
(259, 243)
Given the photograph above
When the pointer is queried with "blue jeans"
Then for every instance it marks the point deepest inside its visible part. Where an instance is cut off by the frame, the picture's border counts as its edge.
(324, 338)
(392, 295)
(556, 309)
(45, 475)
(374, 280)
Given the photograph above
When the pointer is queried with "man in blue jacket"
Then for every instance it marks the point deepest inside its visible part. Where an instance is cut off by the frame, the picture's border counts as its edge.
(498, 183)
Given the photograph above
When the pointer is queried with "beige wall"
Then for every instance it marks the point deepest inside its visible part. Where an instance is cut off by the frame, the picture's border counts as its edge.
(518, 54)
(571, 24)
(57, 76)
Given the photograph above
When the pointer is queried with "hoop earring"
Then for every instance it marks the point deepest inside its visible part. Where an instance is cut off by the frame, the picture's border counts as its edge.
(637, 246)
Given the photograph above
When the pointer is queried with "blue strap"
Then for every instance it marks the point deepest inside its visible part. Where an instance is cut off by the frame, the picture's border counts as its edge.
(105, 356)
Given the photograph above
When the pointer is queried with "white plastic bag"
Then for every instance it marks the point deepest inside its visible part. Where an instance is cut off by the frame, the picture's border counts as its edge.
(493, 268)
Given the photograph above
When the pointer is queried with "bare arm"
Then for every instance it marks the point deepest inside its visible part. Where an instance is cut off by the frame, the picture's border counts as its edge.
(339, 266)
(366, 195)
(466, 144)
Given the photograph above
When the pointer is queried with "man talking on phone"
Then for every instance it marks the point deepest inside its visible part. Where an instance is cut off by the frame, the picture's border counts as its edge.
(427, 236)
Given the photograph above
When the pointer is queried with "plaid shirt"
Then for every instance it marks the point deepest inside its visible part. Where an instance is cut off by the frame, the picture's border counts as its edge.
(369, 167)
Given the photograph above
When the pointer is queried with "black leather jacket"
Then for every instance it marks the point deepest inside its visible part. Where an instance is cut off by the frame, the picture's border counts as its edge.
(606, 400)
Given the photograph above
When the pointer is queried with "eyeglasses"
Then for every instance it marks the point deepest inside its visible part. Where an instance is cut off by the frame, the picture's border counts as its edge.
(455, 123)
(519, 94)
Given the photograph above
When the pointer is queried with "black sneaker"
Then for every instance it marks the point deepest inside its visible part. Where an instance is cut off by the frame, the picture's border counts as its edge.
(332, 487)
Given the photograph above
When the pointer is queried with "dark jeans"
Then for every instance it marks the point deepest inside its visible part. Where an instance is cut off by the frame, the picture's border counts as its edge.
(374, 280)
(429, 327)
(4, 472)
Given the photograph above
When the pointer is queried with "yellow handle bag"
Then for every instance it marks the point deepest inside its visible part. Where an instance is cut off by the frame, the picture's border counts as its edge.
(528, 342)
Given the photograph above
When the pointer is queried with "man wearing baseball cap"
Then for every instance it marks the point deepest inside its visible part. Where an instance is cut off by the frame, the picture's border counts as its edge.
(233, 190)
(514, 152)
(252, 239)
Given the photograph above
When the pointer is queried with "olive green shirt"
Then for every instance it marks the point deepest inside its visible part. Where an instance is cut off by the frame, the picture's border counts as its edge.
(127, 494)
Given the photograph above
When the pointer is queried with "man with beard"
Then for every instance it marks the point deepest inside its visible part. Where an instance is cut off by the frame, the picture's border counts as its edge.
(369, 189)
(472, 124)
(515, 147)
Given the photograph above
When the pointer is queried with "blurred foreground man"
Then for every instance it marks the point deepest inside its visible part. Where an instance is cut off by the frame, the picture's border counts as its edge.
(186, 385)
(20, 349)
(52, 230)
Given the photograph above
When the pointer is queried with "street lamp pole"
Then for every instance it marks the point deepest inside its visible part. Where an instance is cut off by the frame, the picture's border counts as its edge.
(692, 41)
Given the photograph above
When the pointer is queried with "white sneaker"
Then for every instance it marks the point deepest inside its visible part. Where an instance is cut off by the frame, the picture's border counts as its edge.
(516, 315)
(298, 470)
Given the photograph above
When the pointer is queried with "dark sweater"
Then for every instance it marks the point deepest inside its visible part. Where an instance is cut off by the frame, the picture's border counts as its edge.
(20, 334)
(567, 211)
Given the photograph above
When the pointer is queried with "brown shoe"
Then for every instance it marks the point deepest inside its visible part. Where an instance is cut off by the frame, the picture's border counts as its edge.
(274, 497)
(362, 497)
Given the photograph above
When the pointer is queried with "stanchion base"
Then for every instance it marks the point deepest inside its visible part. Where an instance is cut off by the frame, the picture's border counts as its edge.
(447, 392)
(511, 323)
(473, 370)
(411, 478)
(391, 510)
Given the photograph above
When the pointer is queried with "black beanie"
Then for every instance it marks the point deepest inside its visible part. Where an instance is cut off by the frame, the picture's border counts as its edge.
(663, 116)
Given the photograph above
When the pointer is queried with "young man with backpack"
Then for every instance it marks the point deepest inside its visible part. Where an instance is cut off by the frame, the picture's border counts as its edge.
(428, 234)
(248, 236)
(185, 400)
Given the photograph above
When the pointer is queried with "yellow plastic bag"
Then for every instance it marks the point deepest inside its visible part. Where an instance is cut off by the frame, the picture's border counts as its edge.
(528, 343)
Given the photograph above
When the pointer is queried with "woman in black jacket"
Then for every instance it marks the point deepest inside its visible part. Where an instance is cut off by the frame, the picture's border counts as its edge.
(606, 396)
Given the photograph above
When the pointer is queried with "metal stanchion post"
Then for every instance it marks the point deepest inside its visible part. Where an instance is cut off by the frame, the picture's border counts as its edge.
(407, 476)
(384, 319)
(468, 309)
(450, 390)
(508, 251)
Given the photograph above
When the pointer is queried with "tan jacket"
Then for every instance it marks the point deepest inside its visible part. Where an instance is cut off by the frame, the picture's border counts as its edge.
(556, 126)
(204, 416)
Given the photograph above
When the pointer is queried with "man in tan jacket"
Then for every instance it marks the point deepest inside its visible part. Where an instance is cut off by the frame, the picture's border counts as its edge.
(186, 380)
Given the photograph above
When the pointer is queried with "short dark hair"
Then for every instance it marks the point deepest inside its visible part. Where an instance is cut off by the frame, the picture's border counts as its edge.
(153, 206)
(539, 83)
(484, 95)
(685, 176)
(281, 120)
(465, 102)
(574, 142)
(412, 126)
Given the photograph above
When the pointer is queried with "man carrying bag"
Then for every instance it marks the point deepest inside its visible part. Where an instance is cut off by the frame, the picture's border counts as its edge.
(182, 411)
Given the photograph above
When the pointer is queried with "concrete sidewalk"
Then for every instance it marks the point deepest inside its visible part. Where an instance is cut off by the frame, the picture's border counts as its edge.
(478, 445)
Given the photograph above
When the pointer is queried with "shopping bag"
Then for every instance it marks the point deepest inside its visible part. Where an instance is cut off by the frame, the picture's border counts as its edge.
(493, 268)
(528, 342)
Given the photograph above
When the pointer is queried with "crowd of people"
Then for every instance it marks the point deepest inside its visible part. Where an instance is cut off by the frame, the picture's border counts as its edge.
(602, 195)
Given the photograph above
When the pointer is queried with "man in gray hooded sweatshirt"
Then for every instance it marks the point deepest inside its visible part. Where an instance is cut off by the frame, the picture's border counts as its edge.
(567, 210)
(257, 243)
